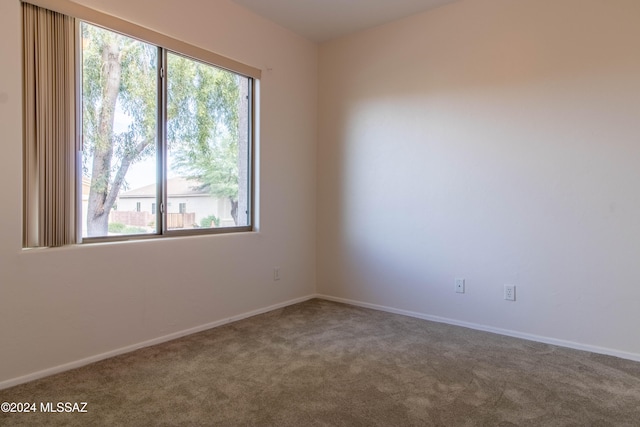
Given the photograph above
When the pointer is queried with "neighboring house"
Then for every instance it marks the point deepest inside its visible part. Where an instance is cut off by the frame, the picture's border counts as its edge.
(184, 196)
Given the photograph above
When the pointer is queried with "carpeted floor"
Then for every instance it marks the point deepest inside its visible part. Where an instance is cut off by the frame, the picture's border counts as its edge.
(320, 363)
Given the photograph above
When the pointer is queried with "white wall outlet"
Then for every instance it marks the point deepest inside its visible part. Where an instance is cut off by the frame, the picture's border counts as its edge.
(276, 273)
(459, 286)
(510, 292)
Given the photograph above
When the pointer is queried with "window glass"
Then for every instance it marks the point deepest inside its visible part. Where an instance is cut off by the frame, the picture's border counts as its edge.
(119, 120)
(208, 145)
(166, 132)
(204, 181)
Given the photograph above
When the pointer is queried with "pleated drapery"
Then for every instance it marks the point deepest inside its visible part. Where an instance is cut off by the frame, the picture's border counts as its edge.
(50, 136)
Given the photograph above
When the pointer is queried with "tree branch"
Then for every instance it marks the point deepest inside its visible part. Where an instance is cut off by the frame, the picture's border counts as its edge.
(122, 173)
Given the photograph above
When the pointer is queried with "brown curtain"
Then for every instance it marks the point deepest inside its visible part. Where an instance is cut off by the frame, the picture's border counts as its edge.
(50, 137)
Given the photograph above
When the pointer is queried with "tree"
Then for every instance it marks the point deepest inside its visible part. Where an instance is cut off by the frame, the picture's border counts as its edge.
(115, 68)
(202, 120)
(210, 142)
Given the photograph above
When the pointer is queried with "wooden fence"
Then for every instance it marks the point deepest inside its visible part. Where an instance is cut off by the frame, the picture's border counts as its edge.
(146, 219)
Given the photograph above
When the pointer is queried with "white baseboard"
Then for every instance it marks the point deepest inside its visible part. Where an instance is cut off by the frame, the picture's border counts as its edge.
(485, 328)
(98, 357)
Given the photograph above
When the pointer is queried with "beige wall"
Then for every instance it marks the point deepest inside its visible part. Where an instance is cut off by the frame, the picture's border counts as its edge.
(59, 306)
(495, 140)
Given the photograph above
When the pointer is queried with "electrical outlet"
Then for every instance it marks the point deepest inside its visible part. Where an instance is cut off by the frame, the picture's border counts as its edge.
(510, 292)
(459, 286)
(276, 273)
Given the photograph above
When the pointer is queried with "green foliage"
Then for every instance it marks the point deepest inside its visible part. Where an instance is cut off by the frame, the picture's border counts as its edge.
(203, 129)
(119, 228)
(116, 227)
(136, 98)
(202, 118)
(216, 167)
(208, 220)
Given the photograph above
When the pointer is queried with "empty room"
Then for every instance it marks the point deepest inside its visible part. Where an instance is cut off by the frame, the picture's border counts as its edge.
(321, 212)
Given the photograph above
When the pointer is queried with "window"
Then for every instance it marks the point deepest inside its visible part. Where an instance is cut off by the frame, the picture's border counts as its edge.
(160, 126)
(158, 123)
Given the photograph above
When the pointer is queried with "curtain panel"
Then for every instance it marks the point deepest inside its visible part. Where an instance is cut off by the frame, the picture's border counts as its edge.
(49, 121)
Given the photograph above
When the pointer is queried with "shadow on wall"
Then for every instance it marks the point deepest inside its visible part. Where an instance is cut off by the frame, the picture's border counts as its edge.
(495, 137)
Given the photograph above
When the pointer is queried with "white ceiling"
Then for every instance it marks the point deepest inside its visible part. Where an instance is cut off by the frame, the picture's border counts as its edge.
(322, 20)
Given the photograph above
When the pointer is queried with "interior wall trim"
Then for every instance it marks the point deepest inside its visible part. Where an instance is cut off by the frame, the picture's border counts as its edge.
(479, 327)
(179, 334)
(159, 340)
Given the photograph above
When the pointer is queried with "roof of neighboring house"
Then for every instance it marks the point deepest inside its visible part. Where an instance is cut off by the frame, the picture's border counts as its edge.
(176, 187)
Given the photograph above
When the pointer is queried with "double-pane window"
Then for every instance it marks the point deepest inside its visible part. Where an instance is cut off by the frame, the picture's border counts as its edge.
(160, 129)
(129, 133)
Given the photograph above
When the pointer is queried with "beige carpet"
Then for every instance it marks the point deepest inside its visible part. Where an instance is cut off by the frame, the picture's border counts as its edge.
(321, 363)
